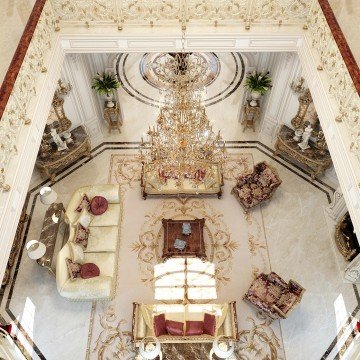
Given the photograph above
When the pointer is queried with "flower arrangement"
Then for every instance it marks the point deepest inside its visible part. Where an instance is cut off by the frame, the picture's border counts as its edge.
(104, 83)
(259, 82)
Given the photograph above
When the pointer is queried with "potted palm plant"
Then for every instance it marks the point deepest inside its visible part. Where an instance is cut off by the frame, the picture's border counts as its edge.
(258, 83)
(105, 84)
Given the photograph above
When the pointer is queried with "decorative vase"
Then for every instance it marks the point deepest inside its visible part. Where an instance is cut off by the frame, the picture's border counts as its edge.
(255, 96)
(298, 134)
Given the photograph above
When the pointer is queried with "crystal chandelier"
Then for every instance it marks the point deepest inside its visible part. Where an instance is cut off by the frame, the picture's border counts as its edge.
(183, 143)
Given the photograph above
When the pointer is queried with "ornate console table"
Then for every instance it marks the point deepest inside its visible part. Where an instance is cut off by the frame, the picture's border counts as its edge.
(314, 159)
(57, 160)
(345, 238)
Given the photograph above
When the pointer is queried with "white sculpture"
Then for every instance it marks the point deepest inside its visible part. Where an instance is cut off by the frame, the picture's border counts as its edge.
(61, 145)
(305, 138)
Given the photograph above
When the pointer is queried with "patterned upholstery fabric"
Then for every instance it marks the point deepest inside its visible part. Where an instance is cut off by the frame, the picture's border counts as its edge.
(271, 294)
(252, 189)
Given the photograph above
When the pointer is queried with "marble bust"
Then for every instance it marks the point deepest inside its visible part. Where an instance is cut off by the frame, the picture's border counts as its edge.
(305, 138)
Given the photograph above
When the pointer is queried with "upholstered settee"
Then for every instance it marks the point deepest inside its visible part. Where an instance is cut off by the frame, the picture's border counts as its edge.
(256, 187)
(101, 249)
(143, 321)
(153, 184)
(272, 295)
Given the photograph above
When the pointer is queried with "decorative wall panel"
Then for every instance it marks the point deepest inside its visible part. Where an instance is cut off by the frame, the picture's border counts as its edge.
(341, 86)
(16, 111)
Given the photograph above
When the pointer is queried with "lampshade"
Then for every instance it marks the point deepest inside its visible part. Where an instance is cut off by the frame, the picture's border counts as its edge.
(47, 195)
(35, 249)
(224, 349)
(148, 350)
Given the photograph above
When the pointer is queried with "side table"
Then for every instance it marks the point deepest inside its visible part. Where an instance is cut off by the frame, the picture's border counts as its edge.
(53, 235)
(314, 159)
(113, 118)
(251, 115)
(195, 246)
(57, 160)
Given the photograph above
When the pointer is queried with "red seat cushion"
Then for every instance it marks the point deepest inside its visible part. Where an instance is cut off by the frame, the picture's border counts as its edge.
(175, 328)
(89, 270)
(98, 205)
(209, 324)
(194, 328)
(160, 325)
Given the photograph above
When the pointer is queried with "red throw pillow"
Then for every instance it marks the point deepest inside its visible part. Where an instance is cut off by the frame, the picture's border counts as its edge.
(209, 324)
(194, 328)
(84, 203)
(89, 270)
(175, 328)
(98, 205)
(160, 325)
(7, 328)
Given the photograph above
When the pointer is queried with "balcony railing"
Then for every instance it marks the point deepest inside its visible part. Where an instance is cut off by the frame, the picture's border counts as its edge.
(17, 96)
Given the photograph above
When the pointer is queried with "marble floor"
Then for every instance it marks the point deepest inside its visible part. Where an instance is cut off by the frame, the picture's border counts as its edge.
(289, 235)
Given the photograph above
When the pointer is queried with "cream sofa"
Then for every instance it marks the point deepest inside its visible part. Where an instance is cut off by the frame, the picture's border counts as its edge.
(143, 315)
(102, 248)
(152, 185)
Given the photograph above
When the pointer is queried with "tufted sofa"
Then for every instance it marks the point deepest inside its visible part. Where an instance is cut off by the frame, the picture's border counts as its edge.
(102, 247)
(143, 319)
(252, 189)
(152, 184)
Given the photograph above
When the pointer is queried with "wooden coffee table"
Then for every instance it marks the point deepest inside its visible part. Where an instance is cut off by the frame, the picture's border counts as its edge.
(195, 246)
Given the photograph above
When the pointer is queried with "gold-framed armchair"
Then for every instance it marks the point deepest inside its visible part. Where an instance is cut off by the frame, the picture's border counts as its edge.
(273, 296)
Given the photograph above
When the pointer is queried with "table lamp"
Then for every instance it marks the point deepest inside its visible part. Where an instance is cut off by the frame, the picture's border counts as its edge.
(222, 350)
(150, 348)
(47, 195)
(35, 249)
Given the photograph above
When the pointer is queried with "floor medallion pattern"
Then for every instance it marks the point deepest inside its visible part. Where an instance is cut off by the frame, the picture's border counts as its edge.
(220, 246)
(280, 231)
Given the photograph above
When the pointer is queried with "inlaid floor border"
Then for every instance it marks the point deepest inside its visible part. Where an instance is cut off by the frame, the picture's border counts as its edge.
(105, 146)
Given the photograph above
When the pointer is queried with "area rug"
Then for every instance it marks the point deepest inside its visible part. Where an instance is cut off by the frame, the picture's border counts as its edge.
(234, 242)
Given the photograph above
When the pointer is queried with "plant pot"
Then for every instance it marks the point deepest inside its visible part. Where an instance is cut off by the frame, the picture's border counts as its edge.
(255, 96)
(108, 97)
(109, 100)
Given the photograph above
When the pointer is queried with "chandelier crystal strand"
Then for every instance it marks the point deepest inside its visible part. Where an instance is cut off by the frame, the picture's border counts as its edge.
(183, 144)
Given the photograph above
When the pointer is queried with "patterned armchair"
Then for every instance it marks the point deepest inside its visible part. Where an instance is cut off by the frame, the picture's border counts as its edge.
(260, 185)
(272, 295)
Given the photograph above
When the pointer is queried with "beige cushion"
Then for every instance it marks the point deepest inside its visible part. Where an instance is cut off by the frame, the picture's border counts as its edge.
(77, 253)
(103, 239)
(111, 217)
(98, 287)
(109, 191)
(105, 262)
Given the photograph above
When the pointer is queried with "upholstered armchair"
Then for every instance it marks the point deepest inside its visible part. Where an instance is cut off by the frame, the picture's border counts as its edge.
(273, 296)
(252, 189)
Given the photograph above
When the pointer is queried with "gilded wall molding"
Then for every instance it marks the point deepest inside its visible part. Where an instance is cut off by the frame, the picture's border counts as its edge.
(341, 86)
(24, 90)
